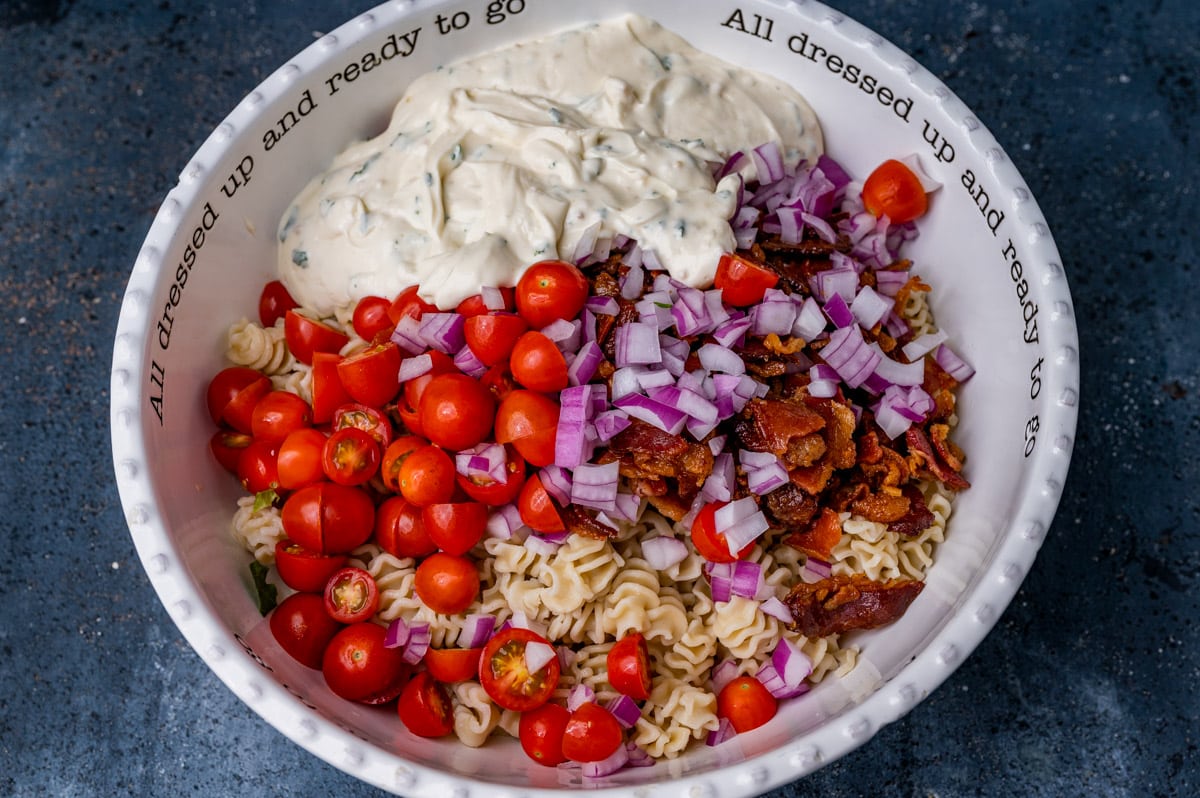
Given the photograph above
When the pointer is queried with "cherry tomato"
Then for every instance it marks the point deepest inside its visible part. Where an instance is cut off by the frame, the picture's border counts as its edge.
(712, 544)
(328, 394)
(492, 337)
(450, 665)
(371, 317)
(457, 527)
(537, 508)
(258, 468)
(400, 529)
(372, 375)
(746, 703)
(499, 381)
(409, 403)
(407, 303)
(351, 595)
(629, 667)
(592, 734)
(425, 708)
(447, 583)
(542, 731)
(507, 680)
(491, 492)
(537, 364)
(367, 419)
(225, 387)
(329, 518)
(273, 303)
(427, 476)
(304, 570)
(227, 447)
(306, 336)
(359, 667)
(456, 411)
(895, 190)
(299, 460)
(529, 421)
(350, 456)
(743, 282)
(302, 628)
(394, 456)
(278, 414)
(550, 290)
(473, 305)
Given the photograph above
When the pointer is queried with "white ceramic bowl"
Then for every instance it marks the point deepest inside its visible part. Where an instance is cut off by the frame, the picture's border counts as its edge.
(998, 287)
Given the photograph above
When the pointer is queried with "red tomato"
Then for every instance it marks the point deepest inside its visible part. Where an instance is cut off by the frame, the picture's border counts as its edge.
(371, 317)
(407, 303)
(329, 518)
(895, 190)
(409, 403)
(273, 303)
(456, 411)
(712, 544)
(537, 364)
(359, 667)
(457, 527)
(537, 508)
(492, 338)
(498, 379)
(350, 456)
(746, 703)
(427, 476)
(225, 387)
(592, 734)
(449, 665)
(425, 708)
(394, 456)
(306, 336)
(327, 391)
(277, 415)
(372, 375)
(258, 468)
(299, 459)
(542, 732)
(743, 282)
(367, 419)
(473, 305)
(304, 570)
(351, 595)
(529, 421)
(503, 674)
(400, 530)
(491, 492)
(446, 583)
(302, 628)
(227, 447)
(629, 667)
(550, 290)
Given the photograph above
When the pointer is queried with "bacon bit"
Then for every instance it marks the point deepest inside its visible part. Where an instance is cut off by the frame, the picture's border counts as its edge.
(869, 450)
(644, 451)
(773, 342)
(670, 506)
(804, 451)
(790, 507)
(890, 471)
(812, 479)
(914, 284)
(941, 386)
(917, 519)
(769, 425)
(820, 537)
(880, 507)
(951, 455)
(846, 603)
(579, 521)
(922, 459)
(763, 362)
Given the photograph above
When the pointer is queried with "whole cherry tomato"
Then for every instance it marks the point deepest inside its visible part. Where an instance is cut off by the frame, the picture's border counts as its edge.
(712, 544)
(492, 337)
(358, 666)
(394, 456)
(305, 336)
(450, 665)
(455, 527)
(304, 570)
(372, 375)
(427, 476)
(302, 628)
(329, 518)
(227, 447)
(273, 303)
(447, 583)
(493, 492)
(592, 734)
(629, 666)
(425, 708)
(542, 731)
(328, 394)
(743, 282)
(537, 509)
(258, 468)
(371, 318)
(895, 190)
(299, 460)
(400, 529)
(529, 421)
(277, 414)
(550, 290)
(351, 595)
(350, 456)
(456, 411)
(746, 703)
(505, 676)
(537, 363)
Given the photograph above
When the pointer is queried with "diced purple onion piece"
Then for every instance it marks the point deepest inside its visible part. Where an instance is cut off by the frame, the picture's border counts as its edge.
(579, 695)
(637, 344)
(504, 521)
(476, 630)
(664, 551)
(839, 312)
(723, 673)
(538, 655)
(419, 636)
(625, 710)
(397, 634)
(776, 609)
(467, 362)
(595, 486)
(442, 331)
(603, 305)
(631, 283)
(953, 365)
(722, 733)
(609, 423)
(557, 482)
(666, 418)
(413, 367)
(732, 332)
(493, 298)
(606, 767)
(869, 307)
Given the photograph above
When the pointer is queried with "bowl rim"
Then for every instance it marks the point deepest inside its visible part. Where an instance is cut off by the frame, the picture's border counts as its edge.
(995, 585)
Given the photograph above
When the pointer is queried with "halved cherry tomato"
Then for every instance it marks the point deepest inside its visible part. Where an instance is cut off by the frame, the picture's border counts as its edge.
(712, 544)
(473, 305)
(258, 466)
(305, 336)
(273, 303)
(629, 666)
(425, 708)
(529, 421)
(743, 282)
(455, 527)
(394, 456)
(492, 337)
(550, 290)
(328, 394)
(490, 492)
(542, 731)
(304, 570)
(350, 456)
(407, 303)
(302, 628)
(367, 419)
(359, 667)
(537, 363)
(371, 317)
(409, 403)
(427, 476)
(446, 583)
(278, 414)
(400, 529)
(372, 375)
(227, 384)
(450, 665)
(895, 190)
(456, 411)
(227, 447)
(505, 677)
(329, 518)
(592, 734)
(351, 595)
(537, 508)
(299, 460)
(746, 703)
(499, 380)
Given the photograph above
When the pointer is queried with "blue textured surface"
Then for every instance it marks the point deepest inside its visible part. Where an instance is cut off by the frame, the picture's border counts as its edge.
(1087, 685)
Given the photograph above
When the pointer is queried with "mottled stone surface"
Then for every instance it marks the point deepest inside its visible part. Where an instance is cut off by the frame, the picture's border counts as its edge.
(1087, 685)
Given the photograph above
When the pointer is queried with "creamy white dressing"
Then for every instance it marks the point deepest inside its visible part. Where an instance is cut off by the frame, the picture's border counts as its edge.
(533, 151)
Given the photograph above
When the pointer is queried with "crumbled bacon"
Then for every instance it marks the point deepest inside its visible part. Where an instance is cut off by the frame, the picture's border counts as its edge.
(580, 521)
(646, 452)
(846, 603)
(790, 507)
(923, 459)
(770, 425)
(917, 519)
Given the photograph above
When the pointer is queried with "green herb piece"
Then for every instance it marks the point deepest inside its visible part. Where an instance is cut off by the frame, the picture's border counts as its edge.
(264, 499)
(265, 592)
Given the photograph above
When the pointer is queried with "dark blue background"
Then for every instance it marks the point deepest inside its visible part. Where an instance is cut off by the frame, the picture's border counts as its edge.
(1087, 686)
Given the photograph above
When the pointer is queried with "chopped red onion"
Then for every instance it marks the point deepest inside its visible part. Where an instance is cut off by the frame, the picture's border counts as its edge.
(522, 621)
(484, 460)
(732, 164)
(603, 305)
(557, 482)
(693, 404)
(609, 423)
(745, 531)
(666, 418)
(715, 357)
(953, 365)
(407, 335)
(768, 162)
(566, 657)
(894, 372)
(629, 506)
(791, 663)
(723, 673)
(625, 710)
(722, 733)
(413, 367)
(565, 334)
(715, 306)
(493, 298)
(834, 282)
(922, 345)
(776, 609)
(773, 317)
(839, 312)
(890, 281)
(833, 171)
(538, 655)
(638, 758)
(664, 551)
(606, 767)
(815, 570)
(397, 634)
(476, 630)
(869, 307)
(419, 636)
(585, 364)
(810, 320)
(850, 356)
(631, 283)
(823, 228)
(741, 578)
(928, 184)
(732, 332)
(716, 444)
(733, 512)
(768, 674)
(504, 521)
(442, 331)
(468, 363)
(637, 343)
(542, 544)
(579, 695)
(764, 471)
(595, 486)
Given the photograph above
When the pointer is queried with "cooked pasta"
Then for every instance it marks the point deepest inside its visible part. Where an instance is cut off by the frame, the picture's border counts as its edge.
(257, 530)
